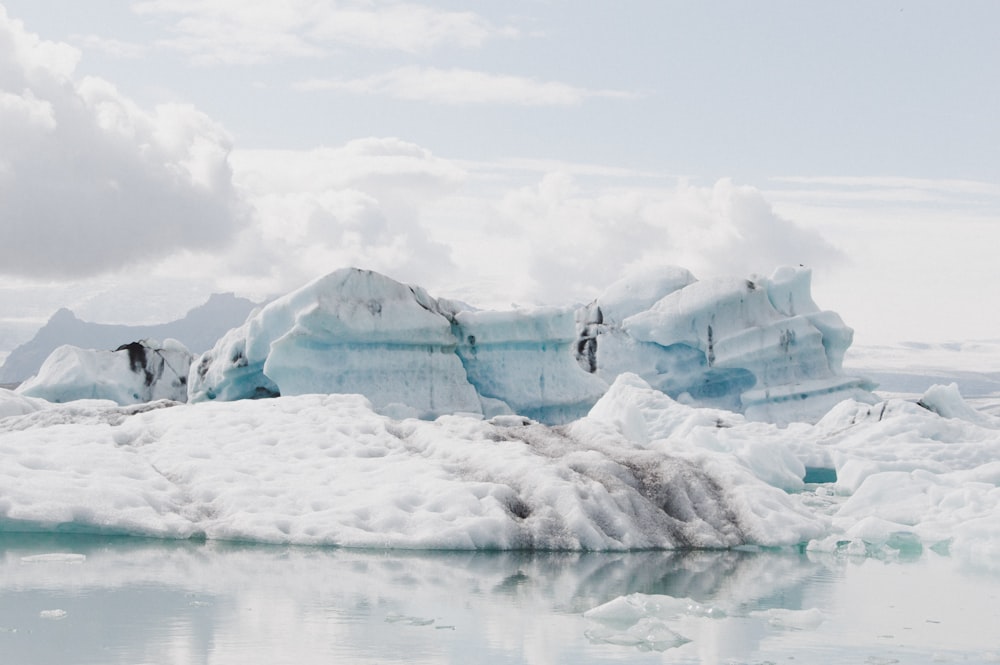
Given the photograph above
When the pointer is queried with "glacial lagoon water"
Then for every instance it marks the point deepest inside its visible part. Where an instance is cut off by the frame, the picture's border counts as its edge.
(72, 599)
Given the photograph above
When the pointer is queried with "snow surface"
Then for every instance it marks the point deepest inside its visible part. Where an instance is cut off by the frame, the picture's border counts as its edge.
(758, 346)
(641, 470)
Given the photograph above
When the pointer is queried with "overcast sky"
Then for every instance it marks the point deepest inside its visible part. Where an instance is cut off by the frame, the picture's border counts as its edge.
(531, 151)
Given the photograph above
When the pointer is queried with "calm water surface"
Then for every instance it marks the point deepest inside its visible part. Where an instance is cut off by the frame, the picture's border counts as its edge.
(77, 599)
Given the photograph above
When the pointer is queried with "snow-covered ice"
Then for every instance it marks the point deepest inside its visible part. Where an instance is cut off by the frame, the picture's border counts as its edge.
(137, 372)
(641, 470)
(327, 469)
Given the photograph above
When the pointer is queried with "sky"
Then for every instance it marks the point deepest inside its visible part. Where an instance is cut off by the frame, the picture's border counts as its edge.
(153, 152)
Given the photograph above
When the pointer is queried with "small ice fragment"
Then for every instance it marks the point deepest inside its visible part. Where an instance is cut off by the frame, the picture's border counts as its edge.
(52, 614)
(408, 620)
(55, 557)
(791, 619)
(646, 635)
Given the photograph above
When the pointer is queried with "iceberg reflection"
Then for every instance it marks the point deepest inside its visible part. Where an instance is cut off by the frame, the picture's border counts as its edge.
(91, 599)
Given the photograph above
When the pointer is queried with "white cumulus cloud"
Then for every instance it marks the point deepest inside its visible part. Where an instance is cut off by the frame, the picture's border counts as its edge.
(358, 204)
(564, 238)
(89, 181)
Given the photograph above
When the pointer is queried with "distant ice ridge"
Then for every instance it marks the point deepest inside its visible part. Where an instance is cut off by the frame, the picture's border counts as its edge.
(134, 373)
(759, 346)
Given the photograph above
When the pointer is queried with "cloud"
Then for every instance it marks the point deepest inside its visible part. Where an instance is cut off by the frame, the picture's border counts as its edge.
(255, 31)
(471, 230)
(461, 86)
(90, 182)
(563, 239)
(358, 204)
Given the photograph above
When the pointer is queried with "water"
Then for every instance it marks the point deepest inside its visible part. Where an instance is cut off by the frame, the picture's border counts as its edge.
(94, 600)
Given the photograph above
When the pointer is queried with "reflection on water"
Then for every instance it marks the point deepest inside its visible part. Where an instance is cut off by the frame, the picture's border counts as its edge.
(76, 599)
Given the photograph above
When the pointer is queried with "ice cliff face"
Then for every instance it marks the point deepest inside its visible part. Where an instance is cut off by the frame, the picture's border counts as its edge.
(356, 331)
(352, 331)
(524, 361)
(135, 372)
(759, 346)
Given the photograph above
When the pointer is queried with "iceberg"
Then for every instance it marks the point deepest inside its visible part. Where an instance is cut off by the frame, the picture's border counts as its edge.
(357, 331)
(134, 373)
(353, 331)
(639, 471)
(329, 470)
(200, 328)
(759, 347)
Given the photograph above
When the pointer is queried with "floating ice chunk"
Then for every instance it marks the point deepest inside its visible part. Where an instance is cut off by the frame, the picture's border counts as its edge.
(786, 619)
(627, 610)
(52, 615)
(947, 401)
(408, 620)
(134, 373)
(646, 635)
(55, 557)
(644, 621)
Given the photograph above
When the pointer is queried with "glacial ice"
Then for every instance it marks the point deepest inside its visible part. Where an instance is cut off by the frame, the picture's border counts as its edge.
(760, 347)
(525, 360)
(137, 372)
(326, 469)
(398, 420)
(641, 470)
(352, 331)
